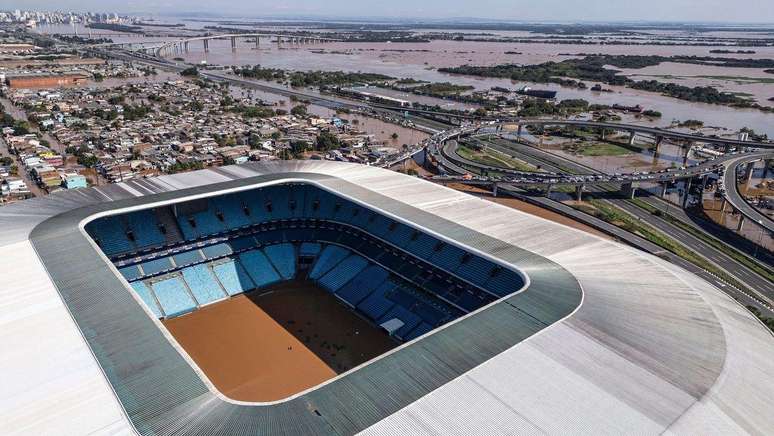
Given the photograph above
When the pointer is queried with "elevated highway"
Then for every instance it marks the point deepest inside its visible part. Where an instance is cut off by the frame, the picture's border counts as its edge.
(734, 197)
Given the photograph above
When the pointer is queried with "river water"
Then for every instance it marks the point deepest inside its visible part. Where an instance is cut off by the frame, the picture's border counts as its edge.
(421, 60)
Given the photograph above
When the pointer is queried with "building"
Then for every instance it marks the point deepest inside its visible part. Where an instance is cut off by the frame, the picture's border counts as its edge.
(71, 180)
(566, 332)
(44, 80)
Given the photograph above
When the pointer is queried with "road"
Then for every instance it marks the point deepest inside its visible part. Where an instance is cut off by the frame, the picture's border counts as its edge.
(736, 200)
(759, 292)
(743, 296)
(762, 287)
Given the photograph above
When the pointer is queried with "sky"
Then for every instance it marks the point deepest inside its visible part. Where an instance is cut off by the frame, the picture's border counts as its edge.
(756, 11)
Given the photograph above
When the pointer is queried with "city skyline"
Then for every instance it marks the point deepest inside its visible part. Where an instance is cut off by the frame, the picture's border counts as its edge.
(746, 11)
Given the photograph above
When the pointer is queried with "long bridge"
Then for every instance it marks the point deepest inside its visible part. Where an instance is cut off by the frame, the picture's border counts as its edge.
(182, 45)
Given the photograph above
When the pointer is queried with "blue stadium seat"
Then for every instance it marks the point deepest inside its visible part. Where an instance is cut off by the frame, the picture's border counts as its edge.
(156, 266)
(242, 243)
(363, 284)
(309, 249)
(329, 257)
(145, 228)
(410, 320)
(173, 296)
(504, 283)
(217, 250)
(147, 297)
(259, 268)
(418, 331)
(343, 272)
(377, 304)
(130, 273)
(448, 258)
(284, 259)
(231, 208)
(110, 232)
(187, 258)
(233, 277)
(476, 270)
(202, 284)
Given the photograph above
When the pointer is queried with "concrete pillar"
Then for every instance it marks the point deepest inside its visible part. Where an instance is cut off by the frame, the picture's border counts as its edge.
(723, 205)
(257, 42)
(659, 140)
(206, 46)
(687, 192)
(602, 135)
(579, 192)
(663, 186)
(632, 135)
(704, 183)
(233, 43)
(495, 187)
(740, 224)
(750, 171)
(518, 132)
(629, 190)
(687, 150)
(549, 188)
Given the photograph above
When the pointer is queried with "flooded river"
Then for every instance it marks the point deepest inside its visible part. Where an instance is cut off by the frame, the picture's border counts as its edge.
(421, 60)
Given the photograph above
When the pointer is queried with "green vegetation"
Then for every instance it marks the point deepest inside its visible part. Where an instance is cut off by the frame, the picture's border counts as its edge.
(651, 113)
(488, 156)
(692, 124)
(259, 73)
(300, 79)
(736, 255)
(133, 113)
(571, 72)
(190, 72)
(764, 319)
(441, 89)
(534, 107)
(253, 111)
(619, 218)
(180, 167)
(299, 111)
(593, 149)
(327, 141)
(115, 27)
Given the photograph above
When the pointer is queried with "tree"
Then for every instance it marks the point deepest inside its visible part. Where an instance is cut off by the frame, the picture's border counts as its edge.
(190, 72)
(327, 141)
(299, 111)
(394, 136)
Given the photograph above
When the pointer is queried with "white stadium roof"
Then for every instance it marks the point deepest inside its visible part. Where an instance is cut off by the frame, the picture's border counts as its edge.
(650, 349)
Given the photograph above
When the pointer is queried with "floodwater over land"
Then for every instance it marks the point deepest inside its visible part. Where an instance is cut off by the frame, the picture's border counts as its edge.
(421, 60)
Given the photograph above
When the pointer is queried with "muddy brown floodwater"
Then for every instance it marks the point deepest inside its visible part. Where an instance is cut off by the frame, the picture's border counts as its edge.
(270, 345)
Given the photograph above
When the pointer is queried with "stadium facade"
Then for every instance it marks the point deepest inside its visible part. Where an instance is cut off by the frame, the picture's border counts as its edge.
(534, 328)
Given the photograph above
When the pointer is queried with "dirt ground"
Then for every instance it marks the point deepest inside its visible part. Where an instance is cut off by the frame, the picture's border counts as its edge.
(530, 209)
(268, 346)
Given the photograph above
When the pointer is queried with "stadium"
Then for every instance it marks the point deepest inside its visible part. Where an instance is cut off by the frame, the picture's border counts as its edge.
(330, 298)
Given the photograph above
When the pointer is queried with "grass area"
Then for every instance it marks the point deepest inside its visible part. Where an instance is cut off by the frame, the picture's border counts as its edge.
(487, 156)
(594, 149)
(619, 218)
(734, 254)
